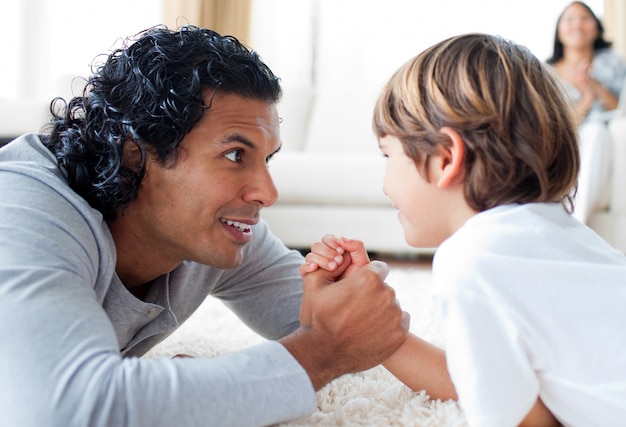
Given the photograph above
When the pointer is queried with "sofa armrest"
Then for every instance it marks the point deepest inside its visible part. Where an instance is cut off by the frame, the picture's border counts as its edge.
(617, 129)
(22, 116)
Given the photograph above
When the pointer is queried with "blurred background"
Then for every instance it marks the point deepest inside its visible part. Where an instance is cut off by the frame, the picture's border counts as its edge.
(47, 43)
(333, 56)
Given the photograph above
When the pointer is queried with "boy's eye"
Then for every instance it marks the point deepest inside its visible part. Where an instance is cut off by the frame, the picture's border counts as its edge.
(234, 155)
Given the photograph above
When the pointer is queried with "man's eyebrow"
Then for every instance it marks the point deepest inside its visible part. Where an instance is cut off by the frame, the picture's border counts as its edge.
(237, 137)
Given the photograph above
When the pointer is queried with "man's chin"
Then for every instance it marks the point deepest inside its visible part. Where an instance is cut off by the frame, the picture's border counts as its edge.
(226, 261)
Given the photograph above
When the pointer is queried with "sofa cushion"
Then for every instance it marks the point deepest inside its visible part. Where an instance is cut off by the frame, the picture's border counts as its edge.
(341, 121)
(318, 178)
(294, 110)
(22, 116)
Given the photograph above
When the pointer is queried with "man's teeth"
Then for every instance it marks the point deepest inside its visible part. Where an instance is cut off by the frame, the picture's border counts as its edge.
(238, 225)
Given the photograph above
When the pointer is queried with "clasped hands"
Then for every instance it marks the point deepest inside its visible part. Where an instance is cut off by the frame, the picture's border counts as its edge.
(350, 319)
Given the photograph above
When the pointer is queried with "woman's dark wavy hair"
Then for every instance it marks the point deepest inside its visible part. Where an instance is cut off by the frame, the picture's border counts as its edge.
(148, 93)
(598, 43)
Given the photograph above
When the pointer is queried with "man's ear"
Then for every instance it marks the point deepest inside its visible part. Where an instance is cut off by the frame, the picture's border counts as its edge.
(452, 170)
(131, 153)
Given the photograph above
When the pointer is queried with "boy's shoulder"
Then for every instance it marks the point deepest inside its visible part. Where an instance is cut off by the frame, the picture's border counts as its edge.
(526, 231)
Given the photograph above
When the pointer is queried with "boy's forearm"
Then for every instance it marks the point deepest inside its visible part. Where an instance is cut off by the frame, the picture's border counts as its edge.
(422, 366)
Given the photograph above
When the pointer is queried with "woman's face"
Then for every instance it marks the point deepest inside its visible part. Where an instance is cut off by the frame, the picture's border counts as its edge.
(577, 27)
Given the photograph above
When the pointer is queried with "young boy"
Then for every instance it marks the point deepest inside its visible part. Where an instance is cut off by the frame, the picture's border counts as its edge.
(482, 162)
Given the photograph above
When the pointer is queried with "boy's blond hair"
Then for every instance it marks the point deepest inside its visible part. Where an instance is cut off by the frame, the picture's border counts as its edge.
(520, 140)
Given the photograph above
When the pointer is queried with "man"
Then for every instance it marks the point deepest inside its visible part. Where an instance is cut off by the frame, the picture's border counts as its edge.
(142, 198)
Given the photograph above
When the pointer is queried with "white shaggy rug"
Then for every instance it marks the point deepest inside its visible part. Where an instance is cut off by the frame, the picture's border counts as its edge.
(370, 398)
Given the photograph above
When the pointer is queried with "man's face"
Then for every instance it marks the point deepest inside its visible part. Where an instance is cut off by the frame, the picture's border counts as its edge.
(201, 209)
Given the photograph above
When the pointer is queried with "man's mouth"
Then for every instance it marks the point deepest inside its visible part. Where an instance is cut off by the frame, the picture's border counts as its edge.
(241, 226)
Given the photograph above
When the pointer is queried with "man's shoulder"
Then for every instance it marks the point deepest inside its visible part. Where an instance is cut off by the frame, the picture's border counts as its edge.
(25, 163)
(35, 191)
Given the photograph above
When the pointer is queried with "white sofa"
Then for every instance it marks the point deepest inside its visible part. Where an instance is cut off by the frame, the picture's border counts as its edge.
(609, 221)
(330, 176)
(330, 173)
(22, 116)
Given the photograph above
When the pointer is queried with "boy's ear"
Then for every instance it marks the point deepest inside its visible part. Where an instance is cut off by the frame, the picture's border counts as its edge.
(452, 158)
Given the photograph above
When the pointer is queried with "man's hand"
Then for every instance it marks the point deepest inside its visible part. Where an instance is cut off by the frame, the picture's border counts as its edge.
(346, 326)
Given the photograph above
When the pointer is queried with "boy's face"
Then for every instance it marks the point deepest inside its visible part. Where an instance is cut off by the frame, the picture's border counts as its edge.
(421, 203)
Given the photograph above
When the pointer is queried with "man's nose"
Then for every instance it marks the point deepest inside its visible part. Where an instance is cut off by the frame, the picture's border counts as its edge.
(261, 189)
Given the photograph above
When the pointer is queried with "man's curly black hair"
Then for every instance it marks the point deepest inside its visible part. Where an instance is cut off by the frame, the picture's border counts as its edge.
(148, 93)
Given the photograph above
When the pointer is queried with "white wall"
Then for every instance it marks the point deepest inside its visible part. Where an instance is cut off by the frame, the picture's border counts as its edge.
(352, 47)
(46, 43)
(363, 41)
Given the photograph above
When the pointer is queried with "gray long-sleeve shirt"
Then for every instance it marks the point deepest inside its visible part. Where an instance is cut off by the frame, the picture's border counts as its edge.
(70, 332)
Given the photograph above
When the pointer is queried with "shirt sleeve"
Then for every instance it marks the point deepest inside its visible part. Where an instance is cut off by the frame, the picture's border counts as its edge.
(611, 71)
(60, 363)
(620, 76)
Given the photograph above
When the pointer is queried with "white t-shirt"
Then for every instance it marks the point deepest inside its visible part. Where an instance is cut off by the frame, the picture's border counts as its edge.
(534, 304)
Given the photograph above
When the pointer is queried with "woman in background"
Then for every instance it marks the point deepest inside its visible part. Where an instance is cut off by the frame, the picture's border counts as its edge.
(592, 76)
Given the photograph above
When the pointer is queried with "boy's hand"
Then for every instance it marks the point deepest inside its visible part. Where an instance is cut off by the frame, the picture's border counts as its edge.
(334, 252)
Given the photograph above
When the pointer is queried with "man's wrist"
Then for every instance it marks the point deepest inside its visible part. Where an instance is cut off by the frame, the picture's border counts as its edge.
(307, 353)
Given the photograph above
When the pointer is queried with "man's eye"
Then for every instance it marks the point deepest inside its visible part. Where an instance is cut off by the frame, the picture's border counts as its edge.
(234, 155)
